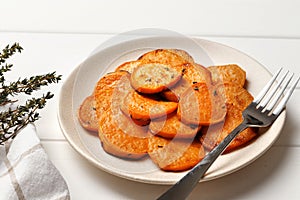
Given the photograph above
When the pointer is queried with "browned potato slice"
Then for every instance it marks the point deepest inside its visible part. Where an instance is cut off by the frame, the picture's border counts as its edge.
(230, 73)
(174, 93)
(163, 56)
(87, 114)
(183, 54)
(121, 137)
(175, 155)
(214, 134)
(201, 105)
(143, 107)
(236, 95)
(154, 77)
(106, 87)
(128, 66)
(131, 65)
(196, 73)
(172, 127)
(181, 60)
(193, 73)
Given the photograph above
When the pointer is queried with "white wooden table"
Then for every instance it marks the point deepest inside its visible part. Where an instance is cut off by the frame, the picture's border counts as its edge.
(59, 35)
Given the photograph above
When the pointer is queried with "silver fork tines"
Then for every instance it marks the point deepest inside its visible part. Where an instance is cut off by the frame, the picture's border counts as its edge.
(271, 93)
(287, 96)
(270, 97)
(262, 112)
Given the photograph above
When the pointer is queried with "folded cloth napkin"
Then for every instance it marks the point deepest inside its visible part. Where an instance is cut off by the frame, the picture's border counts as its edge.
(26, 173)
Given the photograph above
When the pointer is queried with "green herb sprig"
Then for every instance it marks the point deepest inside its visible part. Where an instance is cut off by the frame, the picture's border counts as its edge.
(12, 120)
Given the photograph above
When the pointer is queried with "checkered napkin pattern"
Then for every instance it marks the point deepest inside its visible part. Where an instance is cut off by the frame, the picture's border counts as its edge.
(26, 173)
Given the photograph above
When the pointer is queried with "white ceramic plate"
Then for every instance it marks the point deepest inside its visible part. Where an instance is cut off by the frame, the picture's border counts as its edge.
(81, 83)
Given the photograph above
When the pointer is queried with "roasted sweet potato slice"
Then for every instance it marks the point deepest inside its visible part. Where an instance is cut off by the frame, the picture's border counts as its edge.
(183, 57)
(172, 127)
(214, 134)
(165, 56)
(201, 104)
(196, 73)
(128, 66)
(192, 73)
(183, 54)
(174, 93)
(230, 73)
(87, 114)
(175, 155)
(145, 107)
(106, 87)
(236, 95)
(121, 137)
(152, 78)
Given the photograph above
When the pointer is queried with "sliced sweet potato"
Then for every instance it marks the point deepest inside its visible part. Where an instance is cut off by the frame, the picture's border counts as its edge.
(171, 127)
(143, 107)
(174, 93)
(165, 56)
(175, 155)
(213, 135)
(201, 105)
(192, 73)
(87, 114)
(105, 88)
(236, 95)
(121, 137)
(196, 73)
(183, 54)
(152, 78)
(230, 73)
(128, 66)
(146, 58)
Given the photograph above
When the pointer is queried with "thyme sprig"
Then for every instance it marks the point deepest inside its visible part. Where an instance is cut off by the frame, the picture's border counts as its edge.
(12, 120)
(26, 86)
(6, 53)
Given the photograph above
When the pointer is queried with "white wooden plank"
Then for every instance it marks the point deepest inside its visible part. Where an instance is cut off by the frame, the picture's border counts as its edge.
(45, 52)
(216, 17)
(273, 176)
(290, 135)
(272, 53)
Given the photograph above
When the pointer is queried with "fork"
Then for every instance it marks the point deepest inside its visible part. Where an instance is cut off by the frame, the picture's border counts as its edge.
(262, 112)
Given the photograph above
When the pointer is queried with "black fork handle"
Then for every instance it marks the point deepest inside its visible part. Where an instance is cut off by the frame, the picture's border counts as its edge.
(184, 186)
